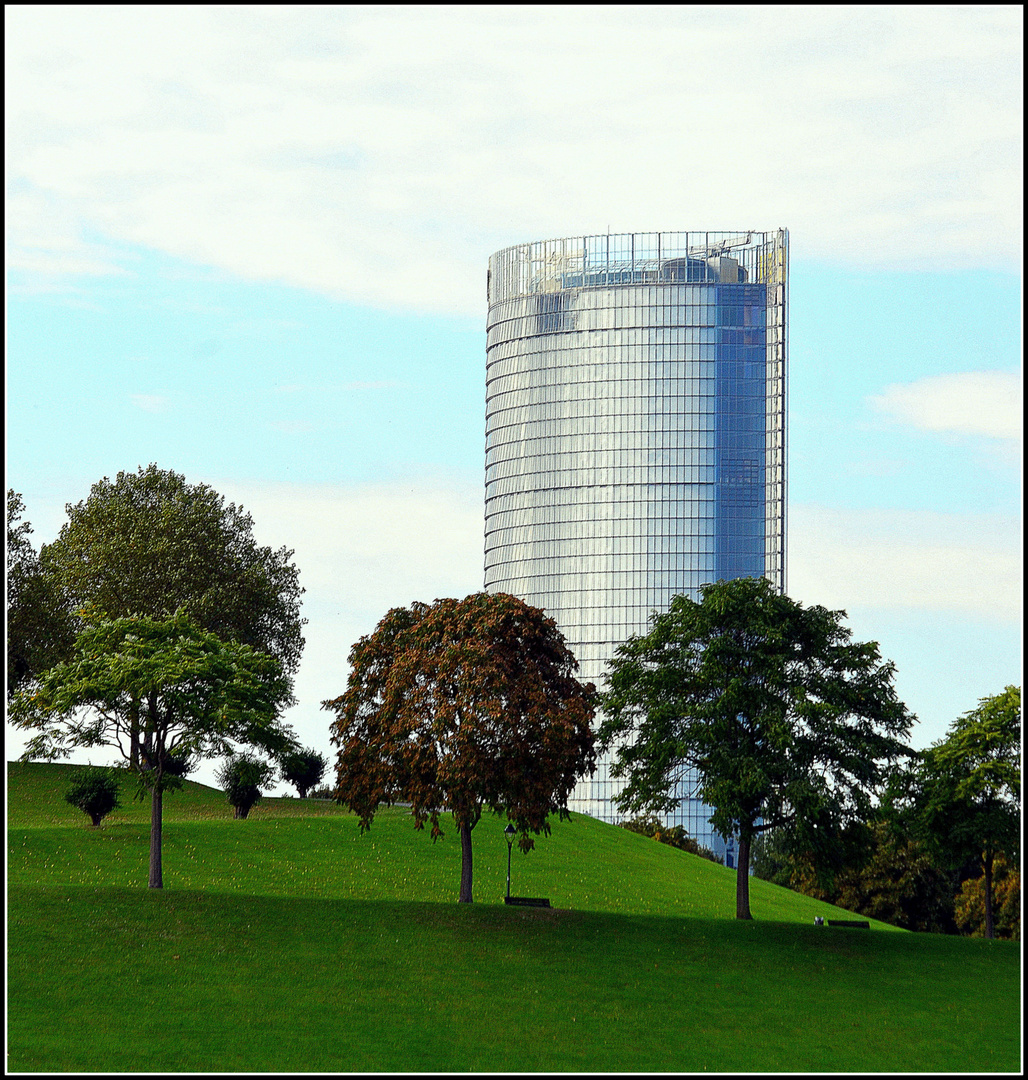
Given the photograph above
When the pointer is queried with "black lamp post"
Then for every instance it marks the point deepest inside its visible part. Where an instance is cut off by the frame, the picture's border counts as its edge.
(509, 832)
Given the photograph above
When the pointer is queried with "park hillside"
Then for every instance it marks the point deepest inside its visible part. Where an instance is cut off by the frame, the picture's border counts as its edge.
(157, 626)
(290, 941)
(341, 934)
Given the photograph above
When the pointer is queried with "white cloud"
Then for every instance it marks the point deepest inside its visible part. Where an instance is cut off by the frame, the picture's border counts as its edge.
(380, 153)
(150, 402)
(968, 403)
(369, 548)
(52, 245)
(361, 551)
(293, 427)
(914, 559)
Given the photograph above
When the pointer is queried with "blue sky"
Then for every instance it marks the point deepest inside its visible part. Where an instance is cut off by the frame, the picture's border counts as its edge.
(250, 244)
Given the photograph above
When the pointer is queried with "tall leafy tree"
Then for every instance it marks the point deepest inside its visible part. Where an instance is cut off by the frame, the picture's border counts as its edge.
(967, 789)
(463, 705)
(149, 543)
(39, 625)
(787, 721)
(198, 696)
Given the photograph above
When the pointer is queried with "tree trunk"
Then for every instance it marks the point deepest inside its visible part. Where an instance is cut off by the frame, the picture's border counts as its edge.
(134, 734)
(742, 879)
(465, 863)
(242, 811)
(990, 929)
(156, 807)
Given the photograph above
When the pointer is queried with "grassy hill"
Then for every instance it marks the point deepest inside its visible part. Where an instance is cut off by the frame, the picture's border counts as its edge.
(291, 942)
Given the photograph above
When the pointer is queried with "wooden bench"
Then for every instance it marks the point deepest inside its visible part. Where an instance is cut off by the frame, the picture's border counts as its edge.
(526, 901)
(859, 924)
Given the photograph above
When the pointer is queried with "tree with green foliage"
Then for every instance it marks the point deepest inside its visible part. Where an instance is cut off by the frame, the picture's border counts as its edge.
(1006, 903)
(303, 768)
(463, 705)
(965, 794)
(897, 882)
(772, 858)
(95, 792)
(39, 626)
(786, 721)
(242, 776)
(197, 697)
(149, 543)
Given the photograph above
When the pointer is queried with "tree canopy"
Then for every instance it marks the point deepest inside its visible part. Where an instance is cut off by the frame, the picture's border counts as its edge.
(1004, 904)
(463, 705)
(303, 768)
(149, 543)
(965, 794)
(39, 626)
(786, 721)
(893, 880)
(180, 689)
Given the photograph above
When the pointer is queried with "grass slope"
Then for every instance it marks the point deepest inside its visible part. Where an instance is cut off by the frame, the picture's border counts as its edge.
(290, 942)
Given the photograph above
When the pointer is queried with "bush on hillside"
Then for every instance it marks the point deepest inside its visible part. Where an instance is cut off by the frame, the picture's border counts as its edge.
(242, 777)
(303, 769)
(673, 835)
(95, 792)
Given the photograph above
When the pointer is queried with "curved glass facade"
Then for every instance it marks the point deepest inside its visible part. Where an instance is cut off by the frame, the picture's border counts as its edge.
(635, 435)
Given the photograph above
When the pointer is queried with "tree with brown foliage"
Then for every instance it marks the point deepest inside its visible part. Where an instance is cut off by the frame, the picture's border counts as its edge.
(463, 705)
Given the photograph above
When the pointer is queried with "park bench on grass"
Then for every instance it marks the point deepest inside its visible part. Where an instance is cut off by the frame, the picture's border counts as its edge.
(527, 901)
(859, 924)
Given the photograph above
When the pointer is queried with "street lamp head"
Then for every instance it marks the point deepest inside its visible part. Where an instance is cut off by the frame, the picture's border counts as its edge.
(509, 832)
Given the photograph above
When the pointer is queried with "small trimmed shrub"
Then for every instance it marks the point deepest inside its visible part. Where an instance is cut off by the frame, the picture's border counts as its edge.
(95, 792)
(242, 777)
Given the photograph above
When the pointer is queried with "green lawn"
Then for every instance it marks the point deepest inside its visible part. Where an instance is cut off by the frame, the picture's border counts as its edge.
(290, 942)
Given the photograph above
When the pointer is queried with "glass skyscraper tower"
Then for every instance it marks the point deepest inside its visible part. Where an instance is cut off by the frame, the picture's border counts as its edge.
(635, 436)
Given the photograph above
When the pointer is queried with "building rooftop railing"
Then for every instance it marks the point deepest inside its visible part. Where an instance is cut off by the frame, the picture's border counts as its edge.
(631, 258)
